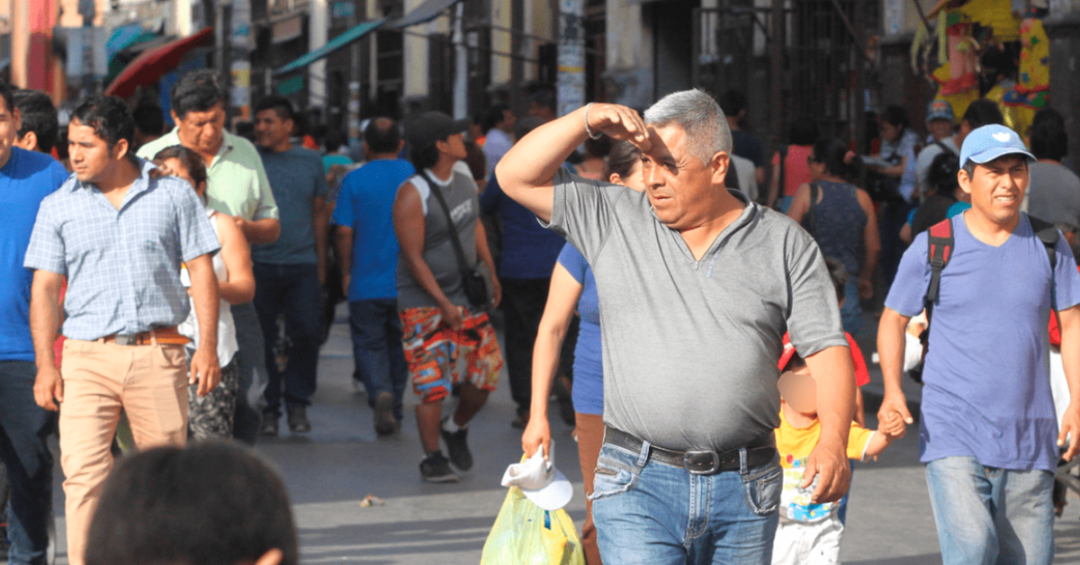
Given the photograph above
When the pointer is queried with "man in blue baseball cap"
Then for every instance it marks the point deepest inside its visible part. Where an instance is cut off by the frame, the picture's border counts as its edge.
(988, 432)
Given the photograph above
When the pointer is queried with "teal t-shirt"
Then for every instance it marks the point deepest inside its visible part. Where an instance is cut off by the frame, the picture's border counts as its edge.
(296, 179)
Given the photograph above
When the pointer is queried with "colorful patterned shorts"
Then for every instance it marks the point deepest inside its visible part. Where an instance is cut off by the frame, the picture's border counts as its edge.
(432, 350)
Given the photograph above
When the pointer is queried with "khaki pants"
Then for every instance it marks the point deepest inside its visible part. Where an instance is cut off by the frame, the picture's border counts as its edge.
(148, 382)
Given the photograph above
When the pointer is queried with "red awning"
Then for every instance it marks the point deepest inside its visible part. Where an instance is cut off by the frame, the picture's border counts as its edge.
(152, 65)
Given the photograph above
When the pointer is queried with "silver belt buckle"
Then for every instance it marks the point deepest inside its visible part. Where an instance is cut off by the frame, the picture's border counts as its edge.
(690, 458)
(128, 339)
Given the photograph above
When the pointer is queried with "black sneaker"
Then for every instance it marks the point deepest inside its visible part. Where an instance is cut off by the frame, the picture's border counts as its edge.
(436, 469)
(269, 425)
(298, 421)
(457, 447)
(385, 423)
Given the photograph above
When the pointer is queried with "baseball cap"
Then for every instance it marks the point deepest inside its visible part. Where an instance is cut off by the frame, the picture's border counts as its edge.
(939, 109)
(539, 480)
(990, 142)
(429, 127)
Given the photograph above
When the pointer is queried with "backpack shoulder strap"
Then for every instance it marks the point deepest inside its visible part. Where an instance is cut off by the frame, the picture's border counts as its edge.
(811, 216)
(940, 243)
(1048, 235)
(944, 148)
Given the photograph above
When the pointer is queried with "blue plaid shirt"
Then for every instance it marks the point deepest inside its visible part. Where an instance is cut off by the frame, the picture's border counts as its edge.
(122, 266)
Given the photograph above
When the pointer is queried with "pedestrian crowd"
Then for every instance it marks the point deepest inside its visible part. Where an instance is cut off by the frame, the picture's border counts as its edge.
(689, 303)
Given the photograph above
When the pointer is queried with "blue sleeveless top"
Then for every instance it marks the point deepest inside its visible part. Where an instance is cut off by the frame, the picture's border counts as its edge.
(840, 223)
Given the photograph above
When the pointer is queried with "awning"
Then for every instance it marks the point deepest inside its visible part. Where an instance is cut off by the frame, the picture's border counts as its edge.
(334, 44)
(154, 63)
(425, 12)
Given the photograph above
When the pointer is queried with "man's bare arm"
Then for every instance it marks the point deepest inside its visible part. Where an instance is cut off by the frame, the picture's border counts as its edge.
(265, 230)
(205, 365)
(1069, 321)
(45, 316)
(835, 377)
(527, 172)
(891, 344)
(343, 244)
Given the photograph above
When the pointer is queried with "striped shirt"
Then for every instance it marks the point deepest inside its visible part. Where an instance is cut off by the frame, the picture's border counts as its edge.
(122, 266)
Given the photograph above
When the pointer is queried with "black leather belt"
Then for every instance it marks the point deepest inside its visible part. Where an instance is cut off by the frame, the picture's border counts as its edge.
(704, 462)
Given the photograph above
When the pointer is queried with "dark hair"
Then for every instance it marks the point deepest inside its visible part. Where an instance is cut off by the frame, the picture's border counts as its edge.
(942, 173)
(38, 116)
(831, 152)
(149, 119)
(109, 117)
(494, 116)
(424, 157)
(598, 148)
(7, 92)
(982, 112)
(1048, 114)
(382, 135)
(279, 104)
(804, 131)
(1049, 139)
(158, 507)
(621, 159)
(194, 164)
(732, 102)
(525, 125)
(544, 98)
(839, 276)
(475, 159)
(196, 91)
(897, 116)
(333, 140)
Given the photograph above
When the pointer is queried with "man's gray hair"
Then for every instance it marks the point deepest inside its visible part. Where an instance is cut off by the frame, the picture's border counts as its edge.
(696, 112)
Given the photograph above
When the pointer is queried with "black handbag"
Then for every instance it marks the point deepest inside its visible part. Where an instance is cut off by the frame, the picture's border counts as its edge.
(473, 281)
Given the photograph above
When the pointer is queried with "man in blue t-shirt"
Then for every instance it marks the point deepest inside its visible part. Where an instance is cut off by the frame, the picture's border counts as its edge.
(367, 251)
(289, 272)
(529, 253)
(26, 178)
(988, 426)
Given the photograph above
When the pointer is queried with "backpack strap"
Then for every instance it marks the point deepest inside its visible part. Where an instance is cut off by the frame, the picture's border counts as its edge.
(940, 244)
(811, 216)
(945, 148)
(1048, 235)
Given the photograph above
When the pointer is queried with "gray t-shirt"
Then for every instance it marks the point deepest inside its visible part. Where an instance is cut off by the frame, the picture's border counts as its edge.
(460, 194)
(691, 347)
(1054, 194)
(296, 179)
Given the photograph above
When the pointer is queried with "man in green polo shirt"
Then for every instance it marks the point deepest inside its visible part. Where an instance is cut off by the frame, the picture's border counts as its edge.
(236, 185)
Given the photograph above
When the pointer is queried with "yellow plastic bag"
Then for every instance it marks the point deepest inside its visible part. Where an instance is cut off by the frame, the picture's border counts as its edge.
(525, 534)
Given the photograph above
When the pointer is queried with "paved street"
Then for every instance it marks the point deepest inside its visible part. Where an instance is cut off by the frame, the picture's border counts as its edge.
(330, 470)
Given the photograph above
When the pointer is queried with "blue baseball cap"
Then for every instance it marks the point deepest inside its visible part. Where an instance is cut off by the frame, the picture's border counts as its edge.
(990, 142)
(939, 109)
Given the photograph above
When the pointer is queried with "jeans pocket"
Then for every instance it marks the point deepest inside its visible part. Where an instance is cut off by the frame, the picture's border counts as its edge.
(763, 489)
(611, 479)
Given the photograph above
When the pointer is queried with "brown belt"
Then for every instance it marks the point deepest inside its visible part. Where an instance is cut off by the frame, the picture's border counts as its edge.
(163, 336)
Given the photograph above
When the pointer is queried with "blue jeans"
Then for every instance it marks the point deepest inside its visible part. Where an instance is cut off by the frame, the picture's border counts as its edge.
(24, 428)
(651, 513)
(251, 362)
(380, 358)
(851, 312)
(990, 516)
(292, 290)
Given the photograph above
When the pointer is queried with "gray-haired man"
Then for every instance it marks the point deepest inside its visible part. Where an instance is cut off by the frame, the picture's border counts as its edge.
(698, 286)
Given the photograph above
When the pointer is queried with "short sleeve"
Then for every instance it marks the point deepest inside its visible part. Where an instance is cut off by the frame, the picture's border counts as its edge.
(1066, 277)
(266, 206)
(321, 188)
(343, 210)
(197, 236)
(582, 212)
(574, 262)
(814, 318)
(862, 375)
(46, 249)
(908, 289)
(858, 441)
